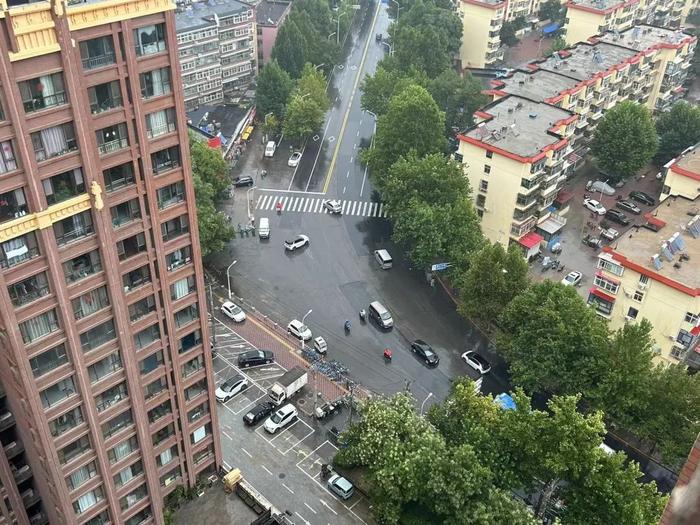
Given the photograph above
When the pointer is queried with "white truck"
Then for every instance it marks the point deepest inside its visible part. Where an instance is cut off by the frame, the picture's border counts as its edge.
(289, 384)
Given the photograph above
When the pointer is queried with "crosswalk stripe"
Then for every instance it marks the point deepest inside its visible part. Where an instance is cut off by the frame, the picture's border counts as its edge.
(314, 208)
(284, 203)
(342, 207)
(261, 200)
(352, 211)
(364, 209)
(315, 205)
(381, 208)
(257, 204)
(306, 205)
(373, 209)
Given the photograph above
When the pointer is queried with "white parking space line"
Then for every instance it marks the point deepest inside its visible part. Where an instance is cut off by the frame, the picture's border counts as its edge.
(286, 487)
(299, 441)
(310, 508)
(225, 434)
(226, 465)
(329, 507)
(267, 470)
(285, 429)
(246, 452)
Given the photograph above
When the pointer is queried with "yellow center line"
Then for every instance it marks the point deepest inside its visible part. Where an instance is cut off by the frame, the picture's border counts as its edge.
(329, 175)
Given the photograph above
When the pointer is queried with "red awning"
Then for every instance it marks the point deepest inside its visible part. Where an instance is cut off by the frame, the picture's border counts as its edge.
(603, 276)
(695, 331)
(602, 295)
(654, 221)
(564, 197)
(530, 240)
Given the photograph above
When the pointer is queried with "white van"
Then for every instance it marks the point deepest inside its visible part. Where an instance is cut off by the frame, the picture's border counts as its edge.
(270, 148)
(264, 228)
(384, 259)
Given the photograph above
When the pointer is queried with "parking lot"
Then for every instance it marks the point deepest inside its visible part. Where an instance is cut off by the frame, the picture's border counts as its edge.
(286, 466)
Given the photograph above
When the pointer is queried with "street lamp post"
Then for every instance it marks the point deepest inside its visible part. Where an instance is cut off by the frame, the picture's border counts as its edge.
(228, 277)
(430, 394)
(391, 48)
(398, 9)
(329, 36)
(337, 29)
(252, 188)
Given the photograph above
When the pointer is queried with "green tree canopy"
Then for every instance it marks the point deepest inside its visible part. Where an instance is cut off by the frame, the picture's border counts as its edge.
(491, 281)
(458, 96)
(312, 83)
(290, 49)
(274, 88)
(557, 45)
(509, 31)
(625, 140)
(380, 88)
(554, 11)
(678, 129)
(304, 117)
(549, 324)
(210, 178)
(413, 122)
(429, 201)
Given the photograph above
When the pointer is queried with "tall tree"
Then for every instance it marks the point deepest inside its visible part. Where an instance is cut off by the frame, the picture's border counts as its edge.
(290, 49)
(678, 129)
(378, 89)
(274, 88)
(210, 177)
(458, 96)
(304, 117)
(557, 45)
(554, 11)
(625, 140)
(429, 201)
(549, 324)
(493, 278)
(413, 122)
(312, 83)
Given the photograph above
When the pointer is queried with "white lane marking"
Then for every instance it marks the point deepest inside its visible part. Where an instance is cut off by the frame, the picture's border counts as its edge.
(327, 506)
(318, 203)
(306, 522)
(246, 452)
(228, 467)
(351, 159)
(225, 434)
(364, 178)
(266, 470)
(307, 204)
(342, 208)
(257, 204)
(310, 508)
(286, 487)
(284, 203)
(347, 174)
(344, 190)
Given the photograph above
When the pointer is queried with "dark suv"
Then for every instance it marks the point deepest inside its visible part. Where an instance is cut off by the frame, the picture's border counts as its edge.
(642, 197)
(617, 216)
(246, 180)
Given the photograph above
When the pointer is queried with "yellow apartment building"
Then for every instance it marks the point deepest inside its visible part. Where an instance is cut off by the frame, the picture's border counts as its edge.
(652, 273)
(586, 18)
(481, 41)
(516, 160)
(682, 175)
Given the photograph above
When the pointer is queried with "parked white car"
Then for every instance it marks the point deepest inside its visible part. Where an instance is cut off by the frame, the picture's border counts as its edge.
(233, 311)
(333, 206)
(594, 206)
(572, 278)
(293, 161)
(299, 330)
(229, 388)
(281, 418)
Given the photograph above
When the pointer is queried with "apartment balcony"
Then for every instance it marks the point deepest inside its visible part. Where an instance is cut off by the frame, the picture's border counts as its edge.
(64, 186)
(6, 420)
(112, 139)
(38, 519)
(21, 474)
(14, 205)
(13, 448)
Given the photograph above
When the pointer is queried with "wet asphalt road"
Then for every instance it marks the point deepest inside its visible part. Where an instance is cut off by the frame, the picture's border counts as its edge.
(336, 276)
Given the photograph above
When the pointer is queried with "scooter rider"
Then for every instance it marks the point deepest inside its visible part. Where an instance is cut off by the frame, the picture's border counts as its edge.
(363, 314)
(347, 325)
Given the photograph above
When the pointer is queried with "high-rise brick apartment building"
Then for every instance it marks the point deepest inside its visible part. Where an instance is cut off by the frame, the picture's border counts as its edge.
(107, 394)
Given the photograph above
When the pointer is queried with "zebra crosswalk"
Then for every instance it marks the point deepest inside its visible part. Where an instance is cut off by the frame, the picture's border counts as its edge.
(315, 205)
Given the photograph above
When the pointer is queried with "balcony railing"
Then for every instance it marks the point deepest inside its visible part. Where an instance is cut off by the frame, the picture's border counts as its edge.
(73, 235)
(96, 61)
(106, 104)
(30, 295)
(162, 129)
(44, 102)
(112, 146)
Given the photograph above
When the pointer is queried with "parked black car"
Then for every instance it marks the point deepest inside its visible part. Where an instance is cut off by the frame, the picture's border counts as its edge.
(246, 180)
(425, 352)
(258, 413)
(642, 197)
(617, 216)
(255, 357)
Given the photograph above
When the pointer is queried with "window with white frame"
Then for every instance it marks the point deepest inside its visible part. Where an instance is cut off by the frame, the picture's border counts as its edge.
(692, 318)
(606, 284)
(611, 267)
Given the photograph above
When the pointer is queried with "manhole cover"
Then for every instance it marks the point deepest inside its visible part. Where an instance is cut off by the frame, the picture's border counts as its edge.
(282, 475)
(301, 401)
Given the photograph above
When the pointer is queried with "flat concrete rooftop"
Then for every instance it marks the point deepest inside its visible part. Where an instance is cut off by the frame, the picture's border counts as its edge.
(643, 37)
(641, 245)
(601, 5)
(537, 85)
(519, 125)
(587, 60)
(691, 160)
